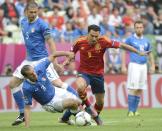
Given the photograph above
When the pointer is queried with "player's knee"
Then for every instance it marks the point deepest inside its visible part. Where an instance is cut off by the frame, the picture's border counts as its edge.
(80, 84)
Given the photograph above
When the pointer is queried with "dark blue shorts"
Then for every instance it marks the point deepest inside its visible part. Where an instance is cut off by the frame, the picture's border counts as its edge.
(96, 82)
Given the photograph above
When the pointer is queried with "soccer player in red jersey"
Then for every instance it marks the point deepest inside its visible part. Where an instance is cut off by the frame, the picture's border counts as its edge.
(92, 48)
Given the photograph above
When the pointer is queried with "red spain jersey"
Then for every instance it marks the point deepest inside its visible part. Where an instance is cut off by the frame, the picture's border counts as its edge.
(91, 56)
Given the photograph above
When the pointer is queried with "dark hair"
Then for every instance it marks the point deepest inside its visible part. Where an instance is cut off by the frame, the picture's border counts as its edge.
(138, 22)
(24, 70)
(93, 27)
(31, 4)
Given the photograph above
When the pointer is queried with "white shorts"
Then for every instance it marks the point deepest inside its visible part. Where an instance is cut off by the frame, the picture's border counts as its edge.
(51, 72)
(137, 76)
(56, 104)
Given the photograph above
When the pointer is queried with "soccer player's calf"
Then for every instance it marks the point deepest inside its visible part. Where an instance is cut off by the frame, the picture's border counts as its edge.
(81, 89)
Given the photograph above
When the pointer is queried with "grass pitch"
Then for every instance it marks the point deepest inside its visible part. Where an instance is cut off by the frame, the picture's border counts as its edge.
(114, 120)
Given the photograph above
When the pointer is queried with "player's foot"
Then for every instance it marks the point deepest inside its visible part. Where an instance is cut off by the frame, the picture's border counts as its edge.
(136, 113)
(130, 114)
(98, 120)
(94, 115)
(69, 122)
(90, 110)
(20, 119)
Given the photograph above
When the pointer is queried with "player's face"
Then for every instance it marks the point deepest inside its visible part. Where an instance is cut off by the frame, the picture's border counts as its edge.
(32, 13)
(31, 75)
(93, 37)
(139, 29)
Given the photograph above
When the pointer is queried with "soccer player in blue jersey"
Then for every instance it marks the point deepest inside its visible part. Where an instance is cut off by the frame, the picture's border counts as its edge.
(37, 85)
(137, 68)
(36, 33)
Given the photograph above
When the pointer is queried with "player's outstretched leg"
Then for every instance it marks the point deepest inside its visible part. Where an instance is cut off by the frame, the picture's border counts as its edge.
(81, 89)
(18, 96)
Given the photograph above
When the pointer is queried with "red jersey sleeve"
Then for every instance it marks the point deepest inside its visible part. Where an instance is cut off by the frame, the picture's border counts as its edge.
(75, 47)
(111, 43)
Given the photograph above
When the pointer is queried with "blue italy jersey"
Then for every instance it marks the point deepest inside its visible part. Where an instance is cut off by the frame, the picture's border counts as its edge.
(141, 44)
(34, 36)
(42, 90)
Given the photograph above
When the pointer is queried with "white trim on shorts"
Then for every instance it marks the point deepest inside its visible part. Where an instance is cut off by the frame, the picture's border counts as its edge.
(137, 76)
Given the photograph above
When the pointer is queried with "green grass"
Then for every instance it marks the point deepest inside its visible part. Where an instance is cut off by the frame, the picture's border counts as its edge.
(114, 120)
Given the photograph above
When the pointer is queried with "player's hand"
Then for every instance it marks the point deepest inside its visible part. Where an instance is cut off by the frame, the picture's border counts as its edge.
(71, 55)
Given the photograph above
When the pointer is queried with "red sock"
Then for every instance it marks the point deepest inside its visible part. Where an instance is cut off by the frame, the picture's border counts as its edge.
(98, 108)
(83, 97)
(86, 102)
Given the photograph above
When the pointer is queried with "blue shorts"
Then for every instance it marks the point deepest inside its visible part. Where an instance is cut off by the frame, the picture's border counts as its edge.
(96, 82)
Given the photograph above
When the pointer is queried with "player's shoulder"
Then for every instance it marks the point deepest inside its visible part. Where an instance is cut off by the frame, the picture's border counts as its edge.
(104, 38)
(40, 20)
(26, 85)
(145, 38)
(130, 38)
(23, 20)
(80, 40)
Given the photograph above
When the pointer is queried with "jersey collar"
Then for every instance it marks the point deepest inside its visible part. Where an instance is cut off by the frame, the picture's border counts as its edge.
(30, 81)
(34, 20)
(135, 35)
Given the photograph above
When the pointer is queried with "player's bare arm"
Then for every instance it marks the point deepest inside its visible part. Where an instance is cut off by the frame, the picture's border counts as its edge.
(69, 55)
(27, 115)
(52, 48)
(123, 62)
(152, 63)
(130, 48)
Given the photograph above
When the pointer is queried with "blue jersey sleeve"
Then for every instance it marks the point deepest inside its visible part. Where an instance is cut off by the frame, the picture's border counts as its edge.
(46, 31)
(27, 95)
(43, 65)
(128, 41)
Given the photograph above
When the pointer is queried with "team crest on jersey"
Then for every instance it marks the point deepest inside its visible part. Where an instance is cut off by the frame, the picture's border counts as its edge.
(32, 30)
(97, 47)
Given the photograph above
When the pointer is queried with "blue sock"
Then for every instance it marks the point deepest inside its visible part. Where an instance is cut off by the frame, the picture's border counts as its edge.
(66, 115)
(137, 102)
(131, 103)
(72, 90)
(18, 96)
